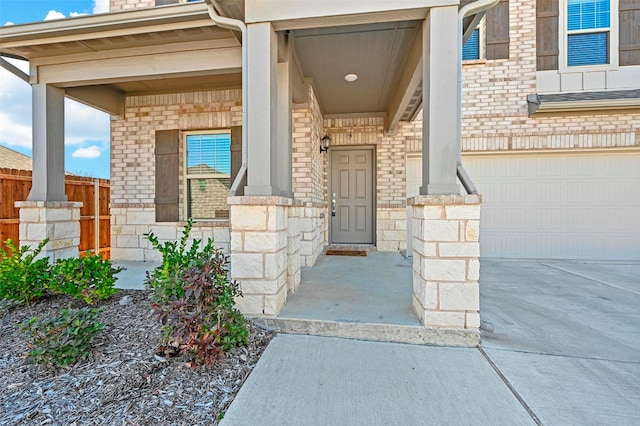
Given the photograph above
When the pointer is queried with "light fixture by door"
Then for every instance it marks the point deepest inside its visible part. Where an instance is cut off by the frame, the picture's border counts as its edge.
(325, 142)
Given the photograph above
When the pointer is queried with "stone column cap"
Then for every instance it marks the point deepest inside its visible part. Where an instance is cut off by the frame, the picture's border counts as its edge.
(49, 204)
(444, 200)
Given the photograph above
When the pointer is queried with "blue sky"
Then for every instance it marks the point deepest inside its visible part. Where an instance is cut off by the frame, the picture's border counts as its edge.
(86, 129)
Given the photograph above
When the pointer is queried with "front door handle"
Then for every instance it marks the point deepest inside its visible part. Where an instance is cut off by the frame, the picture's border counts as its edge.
(333, 204)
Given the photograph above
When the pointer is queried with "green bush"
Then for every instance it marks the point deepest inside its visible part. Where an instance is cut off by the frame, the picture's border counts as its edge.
(195, 301)
(166, 279)
(64, 339)
(23, 276)
(87, 278)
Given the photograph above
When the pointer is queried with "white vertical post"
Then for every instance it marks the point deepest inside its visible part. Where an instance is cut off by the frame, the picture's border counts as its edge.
(441, 112)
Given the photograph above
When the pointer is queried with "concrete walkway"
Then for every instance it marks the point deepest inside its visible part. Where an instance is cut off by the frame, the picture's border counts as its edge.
(565, 351)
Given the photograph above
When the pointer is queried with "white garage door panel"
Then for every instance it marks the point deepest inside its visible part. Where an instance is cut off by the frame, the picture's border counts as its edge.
(569, 206)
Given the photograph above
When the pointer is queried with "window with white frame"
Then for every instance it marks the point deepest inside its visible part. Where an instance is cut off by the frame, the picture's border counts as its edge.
(207, 174)
(471, 49)
(588, 32)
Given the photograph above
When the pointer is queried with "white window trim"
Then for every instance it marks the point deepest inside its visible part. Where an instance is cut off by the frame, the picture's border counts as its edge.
(613, 41)
(186, 176)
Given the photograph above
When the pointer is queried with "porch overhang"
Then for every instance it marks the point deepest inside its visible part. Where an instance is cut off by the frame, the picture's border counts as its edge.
(99, 59)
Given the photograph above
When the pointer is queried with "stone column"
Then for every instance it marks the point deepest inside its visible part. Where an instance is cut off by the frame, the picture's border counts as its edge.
(259, 256)
(446, 264)
(59, 221)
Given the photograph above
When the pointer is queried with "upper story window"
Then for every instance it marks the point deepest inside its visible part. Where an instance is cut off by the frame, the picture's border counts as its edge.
(588, 32)
(588, 35)
(471, 49)
(208, 174)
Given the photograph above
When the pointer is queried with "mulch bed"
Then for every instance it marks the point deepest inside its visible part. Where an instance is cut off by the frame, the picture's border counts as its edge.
(122, 382)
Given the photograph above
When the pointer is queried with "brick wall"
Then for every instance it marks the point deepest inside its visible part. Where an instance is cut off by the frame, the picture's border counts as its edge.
(495, 115)
(308, 178)
(117, 5)
(133, 165)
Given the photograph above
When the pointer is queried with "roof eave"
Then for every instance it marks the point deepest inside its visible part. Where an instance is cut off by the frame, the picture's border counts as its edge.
(23, 34)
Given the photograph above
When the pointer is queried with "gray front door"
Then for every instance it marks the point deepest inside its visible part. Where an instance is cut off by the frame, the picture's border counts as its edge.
(351, 196)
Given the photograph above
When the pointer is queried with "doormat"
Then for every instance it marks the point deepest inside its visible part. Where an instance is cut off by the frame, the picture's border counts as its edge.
(338, 252)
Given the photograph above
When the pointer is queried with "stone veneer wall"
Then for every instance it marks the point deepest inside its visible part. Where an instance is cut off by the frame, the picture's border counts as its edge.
(133, 166)
(495, 116)
(59, 221)
(446, 268)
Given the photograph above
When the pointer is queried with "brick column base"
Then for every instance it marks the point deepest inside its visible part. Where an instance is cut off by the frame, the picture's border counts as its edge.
(446, 268)
(259, 252)
(59, 221)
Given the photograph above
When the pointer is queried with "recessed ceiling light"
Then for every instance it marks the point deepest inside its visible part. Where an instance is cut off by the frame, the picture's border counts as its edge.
(351, 77)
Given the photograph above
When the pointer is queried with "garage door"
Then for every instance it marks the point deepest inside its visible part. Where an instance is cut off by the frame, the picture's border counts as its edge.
(563, 206)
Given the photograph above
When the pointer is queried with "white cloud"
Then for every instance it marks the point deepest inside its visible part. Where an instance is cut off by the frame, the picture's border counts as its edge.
(15, 107)
(100, 6)
(8, 23)
(74, 14)
(54, 15)
(88, 152)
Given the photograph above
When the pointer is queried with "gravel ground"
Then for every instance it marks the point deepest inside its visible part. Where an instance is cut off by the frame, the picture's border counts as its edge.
(122, 382)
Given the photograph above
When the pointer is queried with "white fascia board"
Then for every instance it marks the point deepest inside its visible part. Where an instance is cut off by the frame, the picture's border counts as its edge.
(81, 26)
(290, 14)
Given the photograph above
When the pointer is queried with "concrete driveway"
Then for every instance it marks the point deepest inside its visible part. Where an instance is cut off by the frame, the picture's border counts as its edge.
(565, 351)
(567, 337)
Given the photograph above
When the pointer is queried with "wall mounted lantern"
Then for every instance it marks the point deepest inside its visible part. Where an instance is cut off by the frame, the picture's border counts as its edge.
(325, 142)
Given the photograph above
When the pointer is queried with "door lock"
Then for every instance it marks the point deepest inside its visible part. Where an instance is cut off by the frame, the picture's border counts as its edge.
(333, 204)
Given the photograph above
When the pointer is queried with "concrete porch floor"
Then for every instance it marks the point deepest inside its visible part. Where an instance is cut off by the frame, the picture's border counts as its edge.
(376, 288)
(367, 298)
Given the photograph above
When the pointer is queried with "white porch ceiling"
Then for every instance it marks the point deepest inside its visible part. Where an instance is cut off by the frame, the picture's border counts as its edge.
(376, 53)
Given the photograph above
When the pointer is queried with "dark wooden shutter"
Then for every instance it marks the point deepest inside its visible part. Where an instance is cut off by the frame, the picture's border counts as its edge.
(167, 175)
(164, 2)
(497, 20)
(547, 37)
(236, 155)
(629, 43)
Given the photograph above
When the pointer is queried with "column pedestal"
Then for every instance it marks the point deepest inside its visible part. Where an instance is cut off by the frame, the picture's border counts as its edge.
(259, 254)
(446, 264)
(59, 221)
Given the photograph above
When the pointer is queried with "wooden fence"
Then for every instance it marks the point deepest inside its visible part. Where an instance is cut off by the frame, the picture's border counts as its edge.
(95, 229)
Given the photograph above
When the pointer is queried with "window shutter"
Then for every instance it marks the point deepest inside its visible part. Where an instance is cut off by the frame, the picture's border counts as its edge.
(236, 156)
(497, 19)
(547, 38)
(629, 42)
(167, 175)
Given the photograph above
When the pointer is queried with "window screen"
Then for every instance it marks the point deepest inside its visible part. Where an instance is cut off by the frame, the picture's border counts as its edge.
(208, 177)
(588, 27)
(471, 49)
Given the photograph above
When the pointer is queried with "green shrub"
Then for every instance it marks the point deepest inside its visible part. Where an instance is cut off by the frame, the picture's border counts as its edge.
(166, 279)
(195, 301)
(204, 322)
(87, 278)
(61, 340)
(23, 276)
